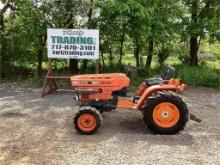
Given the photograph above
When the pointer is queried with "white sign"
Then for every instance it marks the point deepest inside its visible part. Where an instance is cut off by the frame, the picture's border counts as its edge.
(73, 43)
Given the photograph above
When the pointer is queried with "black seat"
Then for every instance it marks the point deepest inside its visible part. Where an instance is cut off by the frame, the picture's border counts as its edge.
(167, 75)
(153, 81)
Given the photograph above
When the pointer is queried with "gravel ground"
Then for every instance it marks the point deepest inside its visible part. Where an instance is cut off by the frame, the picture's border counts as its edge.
(36, 130)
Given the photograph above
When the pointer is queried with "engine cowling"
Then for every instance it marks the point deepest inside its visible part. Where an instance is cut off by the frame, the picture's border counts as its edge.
(106, 83)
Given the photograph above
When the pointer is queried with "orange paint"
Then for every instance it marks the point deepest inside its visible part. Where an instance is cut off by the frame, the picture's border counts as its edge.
(166, 115)
(125, 103)
(141, 89)
(86, 122)
(172, 85)
(109, 83)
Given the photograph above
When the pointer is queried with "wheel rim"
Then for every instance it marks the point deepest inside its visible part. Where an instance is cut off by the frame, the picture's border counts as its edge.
(86, 122)
(166, 115)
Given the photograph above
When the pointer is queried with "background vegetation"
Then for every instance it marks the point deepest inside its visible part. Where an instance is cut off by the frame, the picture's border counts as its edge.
(146, 33)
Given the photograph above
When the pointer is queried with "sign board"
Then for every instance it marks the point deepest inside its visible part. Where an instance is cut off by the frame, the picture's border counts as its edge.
(73, 43)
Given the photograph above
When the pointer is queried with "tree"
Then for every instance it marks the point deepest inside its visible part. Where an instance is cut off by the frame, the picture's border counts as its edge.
(7, 4)
(200, 19)
(64, 14)
(161, 25)
(89, 26)
(113, 26)
(135, 27)
(33, 17)
(136, 17)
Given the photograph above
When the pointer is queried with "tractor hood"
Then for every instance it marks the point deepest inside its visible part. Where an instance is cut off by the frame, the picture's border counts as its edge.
(116, 80)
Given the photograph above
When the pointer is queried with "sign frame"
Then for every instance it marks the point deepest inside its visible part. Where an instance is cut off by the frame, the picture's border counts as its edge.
(73, 43)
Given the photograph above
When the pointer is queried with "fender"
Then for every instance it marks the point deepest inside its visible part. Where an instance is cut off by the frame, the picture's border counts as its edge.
(171, 86)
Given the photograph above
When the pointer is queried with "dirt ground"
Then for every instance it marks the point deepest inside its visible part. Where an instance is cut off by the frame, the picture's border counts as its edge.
(36, 130)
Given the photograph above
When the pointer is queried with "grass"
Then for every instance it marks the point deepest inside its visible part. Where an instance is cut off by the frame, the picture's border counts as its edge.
(206, 74)
(199, 76)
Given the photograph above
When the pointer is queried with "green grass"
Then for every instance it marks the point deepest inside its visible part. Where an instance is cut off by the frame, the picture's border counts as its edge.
(199, 76)
(206, 74)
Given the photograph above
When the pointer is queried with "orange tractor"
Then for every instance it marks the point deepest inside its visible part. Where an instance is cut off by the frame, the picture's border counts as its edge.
(164, 112)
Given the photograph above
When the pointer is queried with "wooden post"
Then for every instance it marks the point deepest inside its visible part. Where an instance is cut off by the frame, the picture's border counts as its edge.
(49, 65)
(49, 82)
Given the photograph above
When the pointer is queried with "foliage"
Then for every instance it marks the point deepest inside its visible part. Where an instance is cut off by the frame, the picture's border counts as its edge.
(127, 29)
(200, 76)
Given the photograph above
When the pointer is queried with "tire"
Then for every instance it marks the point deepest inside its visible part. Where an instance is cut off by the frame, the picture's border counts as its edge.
(165, 113)
(87, 121)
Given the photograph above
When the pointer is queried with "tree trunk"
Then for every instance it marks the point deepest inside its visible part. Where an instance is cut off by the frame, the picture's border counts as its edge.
(39, 61)
(150, 53)
(110, 55)
(137, 53)
(1, 42)
(85, 61)
(90, 14)
(193, 51)
(1, 55)
(194, 36)
(73, 66)
(121, 49)
(73, 63)
(103, 61)
(40, 53)
(121, 45)
(85, 65)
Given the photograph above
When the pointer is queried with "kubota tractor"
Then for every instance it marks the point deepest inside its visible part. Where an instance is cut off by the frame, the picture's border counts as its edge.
(164, 111)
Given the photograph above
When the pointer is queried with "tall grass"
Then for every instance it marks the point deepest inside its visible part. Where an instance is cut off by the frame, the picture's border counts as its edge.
(199, 76)
(194, 76)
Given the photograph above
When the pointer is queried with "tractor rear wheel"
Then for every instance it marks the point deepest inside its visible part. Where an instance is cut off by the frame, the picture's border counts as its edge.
(87, 121)
(165, 113)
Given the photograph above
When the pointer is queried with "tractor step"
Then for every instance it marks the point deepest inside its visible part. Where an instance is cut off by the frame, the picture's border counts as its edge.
(194, 118)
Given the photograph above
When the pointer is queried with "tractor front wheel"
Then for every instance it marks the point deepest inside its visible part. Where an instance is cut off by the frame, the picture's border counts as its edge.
(165, 113)
(87, 121)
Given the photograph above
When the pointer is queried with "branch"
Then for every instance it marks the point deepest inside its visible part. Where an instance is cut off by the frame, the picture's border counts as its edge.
(202, 12)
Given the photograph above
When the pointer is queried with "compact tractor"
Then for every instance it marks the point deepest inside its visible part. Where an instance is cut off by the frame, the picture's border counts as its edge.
(164, 112)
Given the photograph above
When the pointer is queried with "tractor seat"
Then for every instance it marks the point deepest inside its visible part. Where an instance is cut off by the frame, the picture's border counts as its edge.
(167, 75)
(153, 81)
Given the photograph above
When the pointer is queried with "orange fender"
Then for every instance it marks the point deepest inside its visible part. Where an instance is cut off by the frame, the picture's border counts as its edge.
(173, 85)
